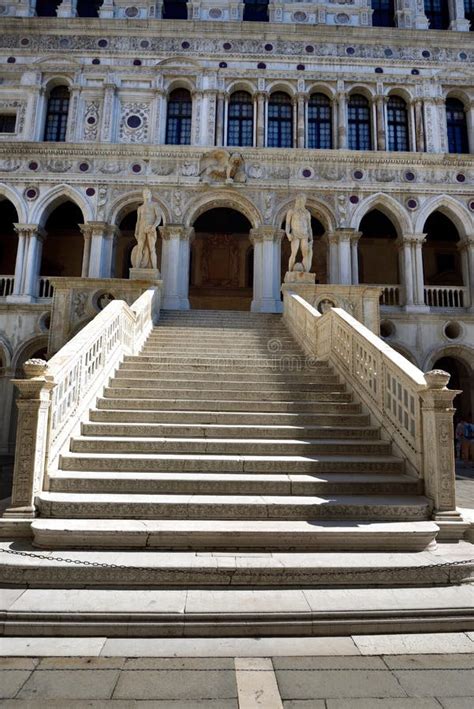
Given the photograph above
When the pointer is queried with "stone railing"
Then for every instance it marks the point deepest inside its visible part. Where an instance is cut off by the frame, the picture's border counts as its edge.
(45, 288)
(7, 284)
(414, 409)
(55, 395)
(391, 295)
(446, 296)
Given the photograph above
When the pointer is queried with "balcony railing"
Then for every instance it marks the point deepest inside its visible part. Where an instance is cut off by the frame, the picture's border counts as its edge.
(45, 289)
(7, 284)
(391, 295)
(446, 296)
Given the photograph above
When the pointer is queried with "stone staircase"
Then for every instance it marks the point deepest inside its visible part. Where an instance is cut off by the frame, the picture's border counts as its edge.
(222, 437)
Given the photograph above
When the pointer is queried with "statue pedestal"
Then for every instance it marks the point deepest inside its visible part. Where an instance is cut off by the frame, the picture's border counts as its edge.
(300, 277)
(145, 274)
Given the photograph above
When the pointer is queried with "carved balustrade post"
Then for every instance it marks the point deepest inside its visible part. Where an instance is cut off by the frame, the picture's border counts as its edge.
(267, 269)
(34, 400)
(437, 445)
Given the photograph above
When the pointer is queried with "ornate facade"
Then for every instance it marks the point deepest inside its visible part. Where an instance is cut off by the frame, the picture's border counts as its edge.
(226, 120)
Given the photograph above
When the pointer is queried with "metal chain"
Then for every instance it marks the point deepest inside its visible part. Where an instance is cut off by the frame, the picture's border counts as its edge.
(331, 572)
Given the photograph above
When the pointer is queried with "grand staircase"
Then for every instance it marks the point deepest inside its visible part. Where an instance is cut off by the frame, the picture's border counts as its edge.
(221, 436)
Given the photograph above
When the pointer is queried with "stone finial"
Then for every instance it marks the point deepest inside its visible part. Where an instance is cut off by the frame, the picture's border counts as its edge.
(437, 379)
(34, 367)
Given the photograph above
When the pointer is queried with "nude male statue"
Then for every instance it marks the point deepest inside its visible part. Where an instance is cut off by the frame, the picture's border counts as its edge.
(148, 218)
(299, 233)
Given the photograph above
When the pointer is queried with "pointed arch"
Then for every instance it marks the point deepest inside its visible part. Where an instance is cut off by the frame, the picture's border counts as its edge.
(223, 198)
(58, 195)
(389, 206)
(451, 208)
(13, 196)
(129, 202)
(319, 210)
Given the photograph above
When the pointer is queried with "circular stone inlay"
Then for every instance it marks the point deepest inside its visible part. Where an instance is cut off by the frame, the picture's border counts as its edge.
(134, 121)
(353, 199)
(358, 174)
(90, 191)
(84, 166)
(136, 168)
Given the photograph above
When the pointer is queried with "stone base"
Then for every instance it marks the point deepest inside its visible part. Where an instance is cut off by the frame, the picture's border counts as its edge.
(145, 274)
(300, 277)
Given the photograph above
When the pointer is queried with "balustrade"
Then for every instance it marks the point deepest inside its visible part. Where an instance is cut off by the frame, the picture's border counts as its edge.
(7, 284)
(45, 289)
(391, 295)
(446, 296)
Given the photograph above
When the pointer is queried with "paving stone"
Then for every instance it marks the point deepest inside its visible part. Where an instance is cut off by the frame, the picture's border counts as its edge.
(430, 662)
(11, 681)
(18, 663)
(324, 684)
(8, 596)
(304, 704)
(393, 703)
(51, 647)
(176, 663)
(255, 601)
(101, 600)
(328, 663)
(176, 684)
(456, 702)
(81, 663)
(123, 704)
(413, 643)
(70, 684)
(436, 683)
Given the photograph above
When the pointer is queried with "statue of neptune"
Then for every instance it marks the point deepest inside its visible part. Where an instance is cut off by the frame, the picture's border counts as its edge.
(148, 218)
(300, 234)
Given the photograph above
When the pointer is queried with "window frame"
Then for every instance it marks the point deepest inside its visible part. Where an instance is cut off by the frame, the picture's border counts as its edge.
(279, 125)
(239, 123)
(439, 19)
(317, 122)
(8, 115)
(182, 119)
(395, 126)
(388, 13)
(457, 130)
(358, 123)
(57, 117)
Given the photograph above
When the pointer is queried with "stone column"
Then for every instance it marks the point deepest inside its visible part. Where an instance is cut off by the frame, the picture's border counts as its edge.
(220, 120)
(346, 240)
(404, 14)
(301, 132)
(380, 103)
(28, 262)
(26, 8)
(67, 8)
(342, 120)
(406, 270)
(355, 236)
(470, 125)
(175, 265)
(261, 100)
(466, 247)
(34, 400)
(419, 127)
(420, 21)
(457, 15)
(266, 269)
(106, 10)
(98, 243)
(438, 451)
(108, 113)
(333, 257)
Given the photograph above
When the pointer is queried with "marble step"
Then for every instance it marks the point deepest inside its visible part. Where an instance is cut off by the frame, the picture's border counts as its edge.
(373, 508)
(138, 430)
(236, 405)
(138, 371)
(330, 383)
(240, 364)
(263, 335)
(267, 535)
(169, 462)
(131, 416)
(229, 446)
(295, 397)
(234, 483)
(246, 353)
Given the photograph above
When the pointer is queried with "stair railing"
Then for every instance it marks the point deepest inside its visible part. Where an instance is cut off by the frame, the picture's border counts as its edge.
(55, 395)
(415, 410)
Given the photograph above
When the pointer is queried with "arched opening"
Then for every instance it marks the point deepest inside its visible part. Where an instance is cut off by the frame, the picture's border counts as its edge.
(64, 243)
(174, 10)
(47, 8)
(57, 110)
(359, 123)
(319, 262)
(378, 254)
(240, 119)
(255, 11)
(384, 13)
(88, 8)
(319, 122)
(178, 118)
(124, 245)
(397, 124)
(8, 246)
(437, 12)
(222, 261)
(456, 124)
(280, 121)
(441, 257)
(462, 380)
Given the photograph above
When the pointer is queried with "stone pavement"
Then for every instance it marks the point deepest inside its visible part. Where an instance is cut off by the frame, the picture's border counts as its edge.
(352, 675)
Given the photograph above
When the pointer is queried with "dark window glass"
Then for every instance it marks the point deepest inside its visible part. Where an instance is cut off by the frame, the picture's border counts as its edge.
(178, 120)
(7, 123)
(457, 126)
(469, 12)
(240, 119)
(360, 137)
(280, 121)
(437, 12)
(319, 122)
(47, 8)
(397, 119)
(256, 10)
(175, 10)
(384, 13)
(56, 114)
(88, 8)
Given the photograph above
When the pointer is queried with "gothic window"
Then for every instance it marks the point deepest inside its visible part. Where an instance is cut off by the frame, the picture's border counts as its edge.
(469, 12)
(256, 10)
(240, 120)
(47, 8)
(360, 137)
(437, 12)
(175, 10)
(457, 126)
(7, 122)
(88, 8)
(397, 119)
(56, 114)
(178, 120)
(384, 13)
(280, 121)
(319, 122)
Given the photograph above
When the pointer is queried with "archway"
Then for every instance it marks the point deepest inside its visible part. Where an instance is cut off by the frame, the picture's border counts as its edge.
(125, 241)
(378, 255)
(8, 246)
(319, 263)
(461, 379)
(64, 243)
(442, 262)
(221, 261)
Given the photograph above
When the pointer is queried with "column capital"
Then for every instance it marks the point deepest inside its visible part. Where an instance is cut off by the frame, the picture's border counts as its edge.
(177, 231)
(346, 234)
(415, 239)
(466, 242)
(30, 230)
(266, 233)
